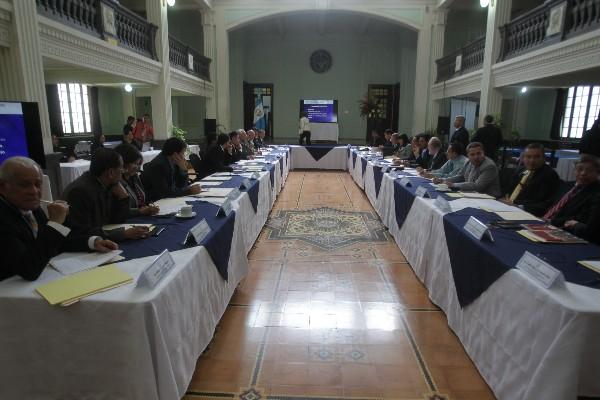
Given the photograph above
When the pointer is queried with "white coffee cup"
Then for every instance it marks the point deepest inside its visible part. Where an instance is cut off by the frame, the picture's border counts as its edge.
(186, 211)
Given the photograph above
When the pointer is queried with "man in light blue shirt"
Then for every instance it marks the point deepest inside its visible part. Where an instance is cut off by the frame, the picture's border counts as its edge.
(452, 167)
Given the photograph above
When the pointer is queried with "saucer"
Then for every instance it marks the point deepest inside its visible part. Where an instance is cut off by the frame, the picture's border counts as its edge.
(178, 215)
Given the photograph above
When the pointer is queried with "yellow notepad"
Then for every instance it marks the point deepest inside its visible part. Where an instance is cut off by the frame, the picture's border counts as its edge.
(68, 290)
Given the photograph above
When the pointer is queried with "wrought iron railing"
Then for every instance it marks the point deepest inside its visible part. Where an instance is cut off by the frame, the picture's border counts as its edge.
(105, 19)
(179, 57)
(551, 22)
(471, 58)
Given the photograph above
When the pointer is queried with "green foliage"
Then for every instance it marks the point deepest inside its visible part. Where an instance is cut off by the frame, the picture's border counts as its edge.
(178, 133)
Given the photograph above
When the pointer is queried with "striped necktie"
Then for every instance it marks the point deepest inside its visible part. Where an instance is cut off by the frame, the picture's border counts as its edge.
(32, 222)
(520, 185)
(553, 212)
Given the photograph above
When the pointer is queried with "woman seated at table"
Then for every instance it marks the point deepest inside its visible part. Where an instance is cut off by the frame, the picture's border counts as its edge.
(132, 161)
(404, 149)
(98, 142)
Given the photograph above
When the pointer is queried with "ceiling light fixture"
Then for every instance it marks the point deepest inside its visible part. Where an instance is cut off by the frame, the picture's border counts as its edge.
(171, 3)
(524, 89)
(484, 3)
(128, 88)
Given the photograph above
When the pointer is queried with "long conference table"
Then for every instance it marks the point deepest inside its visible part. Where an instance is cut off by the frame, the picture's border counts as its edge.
(136, 343)
(528, 342)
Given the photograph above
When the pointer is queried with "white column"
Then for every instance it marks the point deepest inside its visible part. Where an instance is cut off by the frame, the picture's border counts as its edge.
(423, 75)
(221, 68)
(437, 52)
(491, 98)
(162, 115)
(208, 27)
(27, 68)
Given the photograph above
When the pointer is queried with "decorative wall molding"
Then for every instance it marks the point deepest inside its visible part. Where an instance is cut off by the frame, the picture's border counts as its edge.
(65, 44)
(5, 27)
(459, 86)
(576, 54)
(190, 84)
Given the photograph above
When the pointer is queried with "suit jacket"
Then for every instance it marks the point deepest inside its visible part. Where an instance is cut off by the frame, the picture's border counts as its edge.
(483, 178)
(491, 138)
(235, 156)
(22, 253)
(215, 161)
(132, 186)
(585, 209)
(92, 205)
(423, 159)
(437, 161)
(461, 135)
(590, 141)
(539, 192)
(258, 143)
(161, 179)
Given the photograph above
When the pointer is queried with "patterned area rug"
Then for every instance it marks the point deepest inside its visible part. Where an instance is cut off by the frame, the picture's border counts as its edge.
(327, 228)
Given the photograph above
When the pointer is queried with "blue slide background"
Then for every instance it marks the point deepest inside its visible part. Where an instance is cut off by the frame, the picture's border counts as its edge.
(320, 113)
(13, 141)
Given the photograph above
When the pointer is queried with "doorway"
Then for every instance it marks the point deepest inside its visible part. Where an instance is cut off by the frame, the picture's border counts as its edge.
(258, 107)
(387, 97)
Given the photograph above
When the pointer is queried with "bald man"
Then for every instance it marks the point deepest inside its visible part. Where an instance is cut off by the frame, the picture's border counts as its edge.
(28, 239)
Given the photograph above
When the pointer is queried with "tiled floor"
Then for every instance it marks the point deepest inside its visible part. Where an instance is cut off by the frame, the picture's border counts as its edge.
(352, 322)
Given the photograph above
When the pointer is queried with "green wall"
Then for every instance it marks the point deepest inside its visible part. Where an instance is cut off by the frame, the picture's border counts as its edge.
(188, 114)
(186, 26)
(358, 60)
(110, 107)
(464, 26)
(529, 113)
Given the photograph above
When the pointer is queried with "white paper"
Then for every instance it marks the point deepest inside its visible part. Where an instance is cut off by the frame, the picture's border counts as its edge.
(70, 263)
(171, 205)
(214, 192)
(484, 204)
(215, 179)
(110, 227)
(517, 216)
(218, 201)
(211, 183)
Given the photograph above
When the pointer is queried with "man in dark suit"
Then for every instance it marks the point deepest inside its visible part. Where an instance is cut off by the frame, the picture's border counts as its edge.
(490, 136)
(578, 211)
(423, 159)
(460, 135)
(216, 156)
(536, 184)
(235, 152)
(29, 239)
(167, 175)
(437, 156)
(97, 198)
(590, 141)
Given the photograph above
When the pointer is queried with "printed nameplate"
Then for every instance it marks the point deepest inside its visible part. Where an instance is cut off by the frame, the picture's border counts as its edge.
(477, 229)
(255, 176)
(385, 169)
(156, 272)
(225, 209)
(539, 270)
(405, 182)
(234, 194)
(421, 192)
(245, 184)
(394, 174)
(442, 204)
(198, 232)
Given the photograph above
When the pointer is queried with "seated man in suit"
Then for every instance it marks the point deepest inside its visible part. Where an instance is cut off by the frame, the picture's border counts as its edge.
(247, 148)
(424, 157)
(578, 211)
(260, 139)
(480, 174)
(236, 152)
(436, 154)
(167, 175)
(535, 185)
(387, 135)
(452, 167)
(97, 198)
(216, 156)
(29, 239)
(251, 136)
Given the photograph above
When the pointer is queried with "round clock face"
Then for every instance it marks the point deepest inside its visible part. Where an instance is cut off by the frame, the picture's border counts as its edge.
(320, 61)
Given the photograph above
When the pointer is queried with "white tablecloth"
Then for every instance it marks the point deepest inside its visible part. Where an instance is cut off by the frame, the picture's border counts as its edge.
(335, 159)
(329, 131)
(129, 343)
(527, 342)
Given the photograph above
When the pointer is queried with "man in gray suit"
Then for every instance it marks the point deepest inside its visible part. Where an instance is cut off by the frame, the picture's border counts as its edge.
(479, 174)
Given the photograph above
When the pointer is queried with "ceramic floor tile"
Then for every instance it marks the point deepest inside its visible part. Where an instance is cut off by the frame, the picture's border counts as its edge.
(309, 322)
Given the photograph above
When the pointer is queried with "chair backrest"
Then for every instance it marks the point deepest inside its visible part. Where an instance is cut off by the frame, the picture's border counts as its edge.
(196, 163)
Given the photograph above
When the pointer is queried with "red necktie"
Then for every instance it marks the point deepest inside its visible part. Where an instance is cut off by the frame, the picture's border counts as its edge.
(563, 201)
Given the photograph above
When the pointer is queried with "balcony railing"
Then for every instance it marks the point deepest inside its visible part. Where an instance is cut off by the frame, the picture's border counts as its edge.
(549, 23)
(185, 58)
(104, 19)
(470, 58)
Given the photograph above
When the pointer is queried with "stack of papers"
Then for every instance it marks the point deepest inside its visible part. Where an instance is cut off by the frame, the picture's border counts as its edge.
(593, 265)
(70, 263)
(517, 216)
(470, 195)
(210, 183)
(171, 205)
(111, 227)
(214, 192)
(71, 289)
(213, 178)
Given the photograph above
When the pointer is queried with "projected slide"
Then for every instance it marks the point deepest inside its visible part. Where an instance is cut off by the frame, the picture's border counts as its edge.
(13, 140)
(320, 111)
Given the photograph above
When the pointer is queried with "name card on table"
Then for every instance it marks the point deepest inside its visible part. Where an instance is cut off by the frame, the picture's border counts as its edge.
(394, 174)
(478, 229)
(157, 271)
(442, 204)
(385, 169)
(422, 192)
(245, 184)
(255, 176)
(226, 208)
(234, 194)
(405, 182)
(198, 232)
(539, 270)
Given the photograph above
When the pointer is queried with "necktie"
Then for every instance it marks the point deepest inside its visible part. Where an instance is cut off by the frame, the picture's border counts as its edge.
(520, 185)
(32, 222)
(563, 201)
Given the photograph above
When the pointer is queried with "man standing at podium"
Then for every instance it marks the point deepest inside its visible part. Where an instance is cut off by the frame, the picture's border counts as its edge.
(304, 131)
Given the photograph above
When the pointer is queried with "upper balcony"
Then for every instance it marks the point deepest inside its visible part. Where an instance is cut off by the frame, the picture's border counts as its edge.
(550, 23)
(106, 20)
(467, 59)
(187, 59)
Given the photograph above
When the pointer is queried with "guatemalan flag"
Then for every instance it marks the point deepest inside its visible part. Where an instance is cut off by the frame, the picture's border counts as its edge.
(259, 115)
